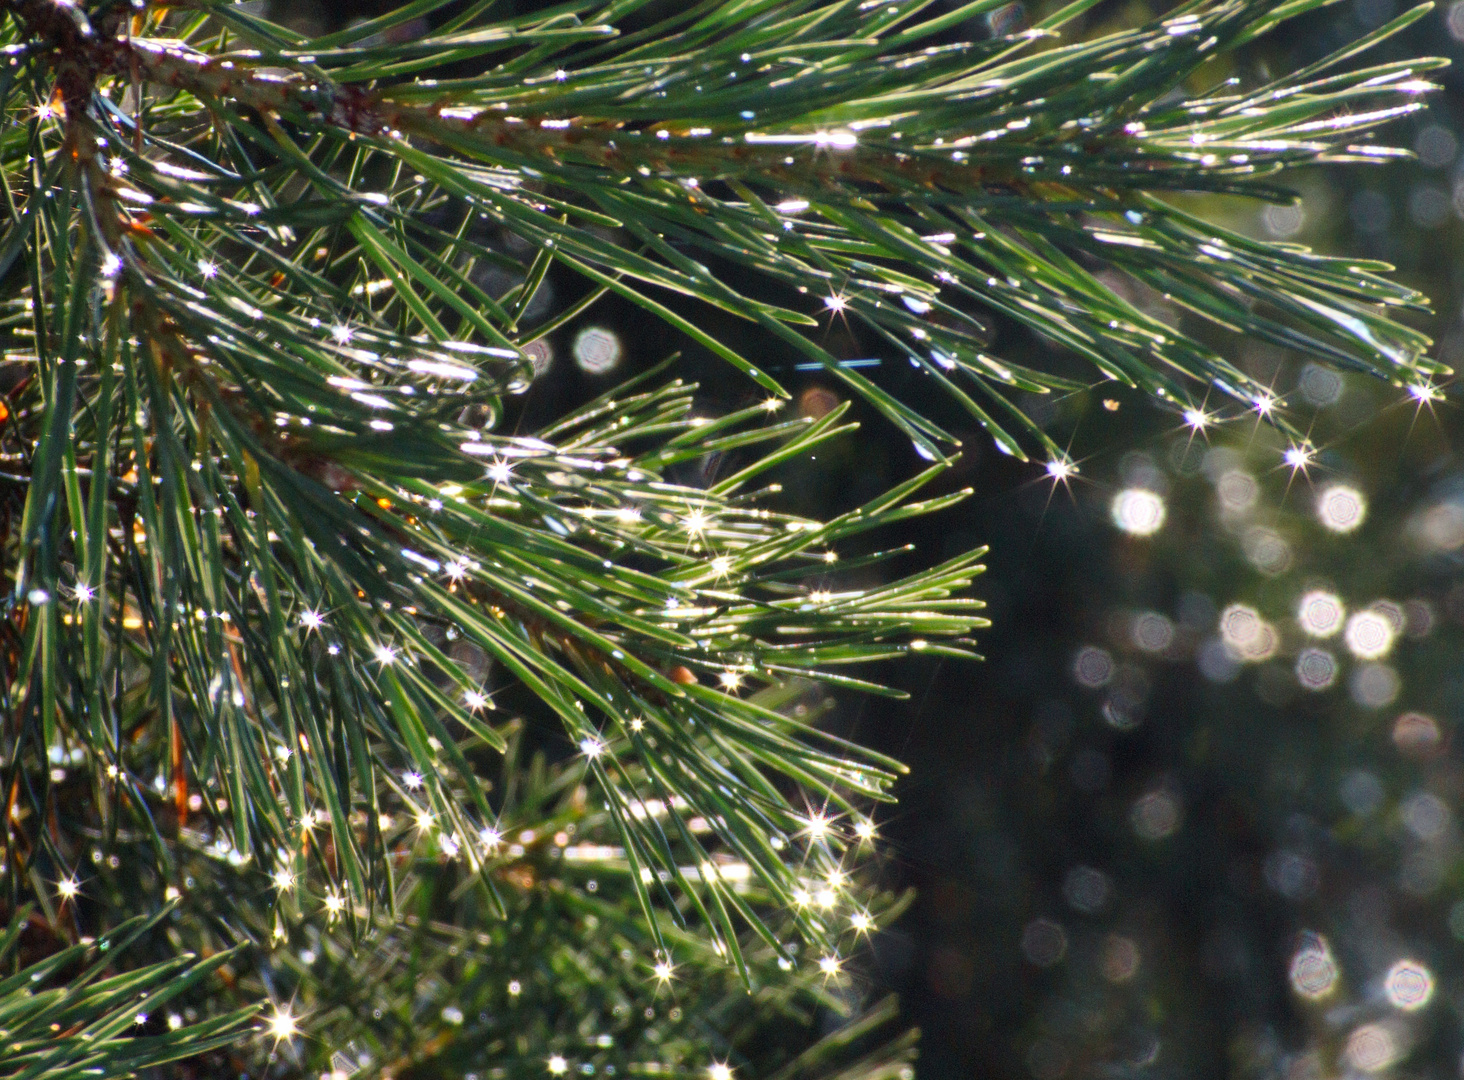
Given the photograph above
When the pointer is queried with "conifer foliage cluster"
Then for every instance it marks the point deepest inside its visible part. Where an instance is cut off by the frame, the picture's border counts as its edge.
(347, 726)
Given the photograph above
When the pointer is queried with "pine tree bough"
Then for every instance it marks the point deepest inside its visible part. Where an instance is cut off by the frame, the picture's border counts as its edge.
(271, 553)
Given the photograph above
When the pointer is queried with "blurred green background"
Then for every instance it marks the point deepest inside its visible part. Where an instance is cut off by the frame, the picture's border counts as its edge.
(1196, 815)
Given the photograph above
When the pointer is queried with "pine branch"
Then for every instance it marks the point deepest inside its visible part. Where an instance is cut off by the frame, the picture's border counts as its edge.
(271, 503)
(565, 972)
(63, 1017)
(1029, 161)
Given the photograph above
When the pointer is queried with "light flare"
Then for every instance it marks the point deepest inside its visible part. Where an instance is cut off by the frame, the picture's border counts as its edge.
(1299, 456)
(1198, 419)
(283, 1025)
(1061, 469)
